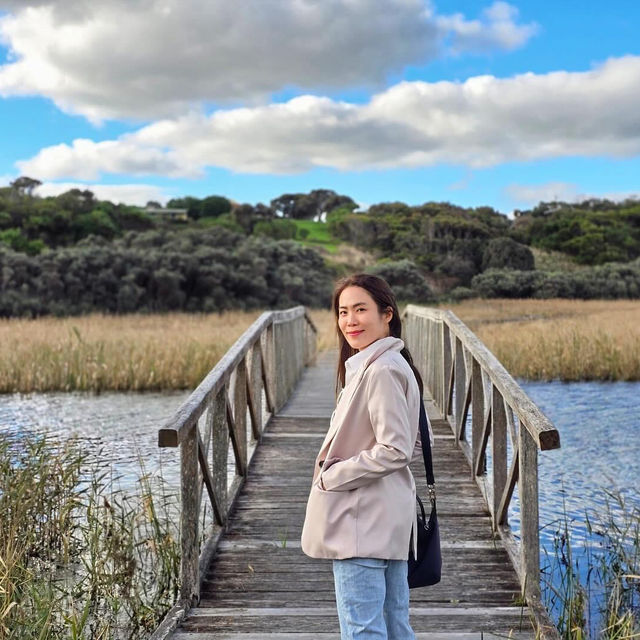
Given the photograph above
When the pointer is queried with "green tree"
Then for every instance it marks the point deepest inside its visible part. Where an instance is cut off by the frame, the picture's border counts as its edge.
(213, 206)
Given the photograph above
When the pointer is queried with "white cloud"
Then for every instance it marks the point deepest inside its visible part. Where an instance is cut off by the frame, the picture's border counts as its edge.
(159, 58)
(136, 194)
(497, 28)
(479, 123)
(560, 192)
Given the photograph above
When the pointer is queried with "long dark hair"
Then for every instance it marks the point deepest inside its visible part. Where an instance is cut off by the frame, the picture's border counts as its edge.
(382, 295)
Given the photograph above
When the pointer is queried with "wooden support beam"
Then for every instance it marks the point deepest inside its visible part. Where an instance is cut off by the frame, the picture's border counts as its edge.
(240, 469)
(477, 414)
(208, 481)
(479, 464)
(240, 412)
(254, 391)
(505, 499)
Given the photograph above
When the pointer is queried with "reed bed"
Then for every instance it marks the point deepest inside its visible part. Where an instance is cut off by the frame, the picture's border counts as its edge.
(566, 340)
(98, 352)
(79, 558)
(534, 339)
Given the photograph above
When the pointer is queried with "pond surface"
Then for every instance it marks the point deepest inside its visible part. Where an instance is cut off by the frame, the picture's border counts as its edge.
(599, 426)
(119, 429)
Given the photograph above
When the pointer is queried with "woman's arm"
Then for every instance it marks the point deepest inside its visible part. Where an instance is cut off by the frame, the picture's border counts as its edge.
(394, 433)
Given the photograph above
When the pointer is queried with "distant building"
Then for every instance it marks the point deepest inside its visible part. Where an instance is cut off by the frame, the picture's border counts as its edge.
(167, 214)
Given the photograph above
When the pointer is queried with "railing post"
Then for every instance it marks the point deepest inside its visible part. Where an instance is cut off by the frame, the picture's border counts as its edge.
(268, 350)
(528, 493)
(477, 411)
(447, 363)
(461, 379)
(279, 366)
(498, 452)
(254, 389)
(219, 449)
(240, 414)
(190, 495)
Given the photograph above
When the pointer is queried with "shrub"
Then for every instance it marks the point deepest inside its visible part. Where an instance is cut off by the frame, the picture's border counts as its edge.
(609, 281)
(199, 270)
(405, 279)
(505, 253)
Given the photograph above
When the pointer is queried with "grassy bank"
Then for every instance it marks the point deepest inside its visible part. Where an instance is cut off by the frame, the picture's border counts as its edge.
(534, 339)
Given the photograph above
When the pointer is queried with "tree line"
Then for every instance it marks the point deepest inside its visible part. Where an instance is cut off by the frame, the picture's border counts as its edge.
(73, 253)
(197, 270)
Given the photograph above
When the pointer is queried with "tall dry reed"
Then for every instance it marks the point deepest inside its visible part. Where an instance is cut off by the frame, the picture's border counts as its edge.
(97, 352)
(565, 340)
(534, 339)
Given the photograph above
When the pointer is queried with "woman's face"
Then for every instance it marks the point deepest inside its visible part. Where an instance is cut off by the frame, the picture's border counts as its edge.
(359, 319)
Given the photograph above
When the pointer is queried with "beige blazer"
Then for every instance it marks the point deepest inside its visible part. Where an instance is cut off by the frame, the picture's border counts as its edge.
(368, 508)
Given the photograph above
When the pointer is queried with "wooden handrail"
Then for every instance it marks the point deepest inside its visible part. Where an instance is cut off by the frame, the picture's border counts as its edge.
(266, 360)
(173, 432)
(464, 376)
(538, 425)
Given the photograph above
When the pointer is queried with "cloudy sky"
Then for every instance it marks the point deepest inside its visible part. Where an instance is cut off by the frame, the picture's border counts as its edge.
(468, 101)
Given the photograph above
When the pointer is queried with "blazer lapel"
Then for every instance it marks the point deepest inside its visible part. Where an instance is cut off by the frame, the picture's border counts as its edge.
(344, 399)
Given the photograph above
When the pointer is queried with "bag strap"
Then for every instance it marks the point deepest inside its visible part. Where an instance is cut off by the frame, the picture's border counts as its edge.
(426, 450)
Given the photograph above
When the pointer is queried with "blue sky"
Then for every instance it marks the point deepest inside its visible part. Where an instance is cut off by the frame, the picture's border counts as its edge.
(476, 103)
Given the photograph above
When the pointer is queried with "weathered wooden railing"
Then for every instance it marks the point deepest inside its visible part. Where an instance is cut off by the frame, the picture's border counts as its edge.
(264, 364)
(462, 375)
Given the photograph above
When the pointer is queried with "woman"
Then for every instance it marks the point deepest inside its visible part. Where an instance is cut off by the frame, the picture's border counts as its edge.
(361, 508)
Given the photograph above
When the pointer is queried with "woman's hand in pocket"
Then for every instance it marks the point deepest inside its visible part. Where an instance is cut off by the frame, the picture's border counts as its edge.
(330, 461)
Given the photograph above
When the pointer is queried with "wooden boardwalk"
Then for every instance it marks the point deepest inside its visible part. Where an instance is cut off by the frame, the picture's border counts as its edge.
(261, 586)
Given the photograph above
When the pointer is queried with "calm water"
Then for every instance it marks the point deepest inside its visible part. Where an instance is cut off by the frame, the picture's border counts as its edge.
(120, 429)
(599, 426)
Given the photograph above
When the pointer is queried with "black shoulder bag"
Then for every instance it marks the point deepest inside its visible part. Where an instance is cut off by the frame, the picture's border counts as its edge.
(425, 569)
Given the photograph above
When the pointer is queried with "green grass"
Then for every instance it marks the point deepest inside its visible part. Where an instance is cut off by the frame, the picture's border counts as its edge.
(318, 235)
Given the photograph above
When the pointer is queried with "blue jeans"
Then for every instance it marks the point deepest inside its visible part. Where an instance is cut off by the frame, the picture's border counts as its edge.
(372, 596)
